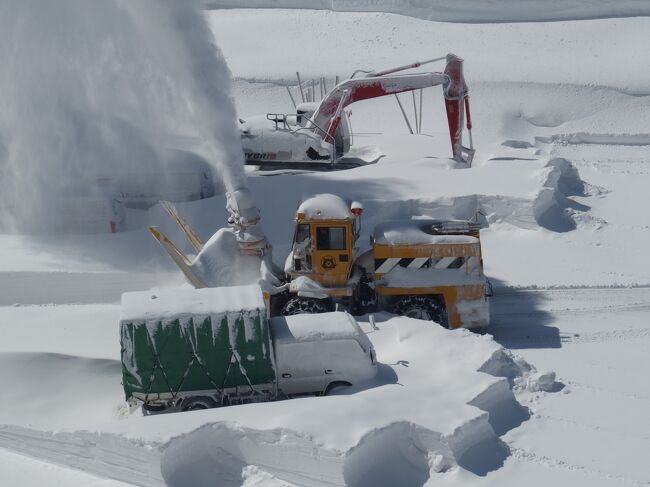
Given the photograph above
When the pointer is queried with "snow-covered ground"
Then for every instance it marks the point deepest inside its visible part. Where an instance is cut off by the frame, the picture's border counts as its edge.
(562, 129)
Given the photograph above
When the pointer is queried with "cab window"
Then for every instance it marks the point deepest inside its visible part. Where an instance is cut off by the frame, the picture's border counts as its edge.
(302, 233)
(330, 238)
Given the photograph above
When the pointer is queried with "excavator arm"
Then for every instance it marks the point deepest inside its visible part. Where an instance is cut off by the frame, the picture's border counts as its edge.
(328, 115)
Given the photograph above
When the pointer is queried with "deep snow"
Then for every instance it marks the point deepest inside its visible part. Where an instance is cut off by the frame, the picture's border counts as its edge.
(561, 127)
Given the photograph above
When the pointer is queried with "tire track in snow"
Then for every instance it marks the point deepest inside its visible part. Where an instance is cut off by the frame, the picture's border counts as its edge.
(588, 426)
(601, 390)
(556, 463)
(608, 336)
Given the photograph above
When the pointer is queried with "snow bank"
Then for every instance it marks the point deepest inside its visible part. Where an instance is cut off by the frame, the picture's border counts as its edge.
(553, 207)
(122, 80)
(426, 413)
(463, 10)
(571, 52)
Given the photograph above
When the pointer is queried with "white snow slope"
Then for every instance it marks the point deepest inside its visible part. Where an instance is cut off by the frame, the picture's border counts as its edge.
(562, 129)
(463, 10)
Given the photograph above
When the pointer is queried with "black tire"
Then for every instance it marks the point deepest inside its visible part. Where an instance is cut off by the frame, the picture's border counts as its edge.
(152, 408)
(298, 305)
(335, 386)
(422, 308)
(197, 403)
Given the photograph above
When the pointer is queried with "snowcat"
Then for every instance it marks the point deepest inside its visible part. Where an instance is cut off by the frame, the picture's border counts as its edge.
(318, 135)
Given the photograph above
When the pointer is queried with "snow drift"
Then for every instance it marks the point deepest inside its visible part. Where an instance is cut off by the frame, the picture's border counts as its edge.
(123, 79)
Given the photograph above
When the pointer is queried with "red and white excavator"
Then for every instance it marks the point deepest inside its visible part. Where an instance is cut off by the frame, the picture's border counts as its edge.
(318, 135)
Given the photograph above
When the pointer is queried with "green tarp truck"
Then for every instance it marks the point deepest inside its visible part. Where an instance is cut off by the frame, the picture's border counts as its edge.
(184, 345)
(188, 349)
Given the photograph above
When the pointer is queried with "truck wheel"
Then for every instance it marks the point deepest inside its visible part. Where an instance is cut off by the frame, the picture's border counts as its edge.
(198, 402)
(152, 408)
(335, 387)
(298, 305)
(421, 308)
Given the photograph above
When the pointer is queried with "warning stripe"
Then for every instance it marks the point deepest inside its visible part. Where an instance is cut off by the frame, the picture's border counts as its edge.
(419, 262)
(386, 265)
(382, 266)
(444, 262)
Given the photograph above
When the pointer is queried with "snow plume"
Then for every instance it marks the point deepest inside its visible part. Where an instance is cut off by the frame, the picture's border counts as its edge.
(94, 91)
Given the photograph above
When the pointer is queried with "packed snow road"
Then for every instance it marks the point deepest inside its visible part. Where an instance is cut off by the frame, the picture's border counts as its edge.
(596, 430)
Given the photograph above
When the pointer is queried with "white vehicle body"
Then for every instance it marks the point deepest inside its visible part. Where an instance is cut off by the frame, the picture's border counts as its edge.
(316, 352)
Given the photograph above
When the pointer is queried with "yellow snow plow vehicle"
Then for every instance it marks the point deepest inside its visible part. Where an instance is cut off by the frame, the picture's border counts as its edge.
(427, 269)
(421, 268)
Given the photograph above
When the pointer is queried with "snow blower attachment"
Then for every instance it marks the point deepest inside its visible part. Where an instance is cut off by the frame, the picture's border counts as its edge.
(318, 135)
(243, 246)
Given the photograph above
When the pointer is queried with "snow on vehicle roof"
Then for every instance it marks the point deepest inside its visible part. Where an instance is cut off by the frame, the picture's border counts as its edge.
(172, 303)
(325, 206)
(312, 327)
(414, 232)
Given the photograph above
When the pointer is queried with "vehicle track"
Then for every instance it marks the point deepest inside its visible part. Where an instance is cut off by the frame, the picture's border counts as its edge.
(556, 463)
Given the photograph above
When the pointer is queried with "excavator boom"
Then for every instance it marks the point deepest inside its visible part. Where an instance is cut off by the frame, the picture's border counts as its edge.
(387, 82)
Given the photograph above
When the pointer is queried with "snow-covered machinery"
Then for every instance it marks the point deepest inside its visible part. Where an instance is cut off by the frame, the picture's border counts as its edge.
(193, 349)
(318, 135)
(427, 269)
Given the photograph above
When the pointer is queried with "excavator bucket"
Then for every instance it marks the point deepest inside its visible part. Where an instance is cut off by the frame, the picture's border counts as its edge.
(457, 106)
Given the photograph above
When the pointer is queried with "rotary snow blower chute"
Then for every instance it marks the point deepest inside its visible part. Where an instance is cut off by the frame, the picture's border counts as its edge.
(318, 135)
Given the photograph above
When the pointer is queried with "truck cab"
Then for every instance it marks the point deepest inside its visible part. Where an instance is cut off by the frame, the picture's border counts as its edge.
(316, 353)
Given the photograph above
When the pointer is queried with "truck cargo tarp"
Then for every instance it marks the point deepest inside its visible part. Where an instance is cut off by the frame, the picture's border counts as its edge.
(167, 347)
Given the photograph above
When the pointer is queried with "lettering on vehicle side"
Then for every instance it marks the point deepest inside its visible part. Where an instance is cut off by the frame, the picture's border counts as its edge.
(261, 156)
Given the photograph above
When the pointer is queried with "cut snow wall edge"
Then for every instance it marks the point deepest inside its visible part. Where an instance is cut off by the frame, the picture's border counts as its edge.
(103, 453)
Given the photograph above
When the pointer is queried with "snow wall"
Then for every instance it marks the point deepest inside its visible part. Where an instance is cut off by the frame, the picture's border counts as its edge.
(475, 11)
(92, 92)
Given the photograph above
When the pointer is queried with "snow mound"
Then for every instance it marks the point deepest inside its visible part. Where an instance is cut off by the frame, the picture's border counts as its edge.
(553, 207)
(426, 413)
